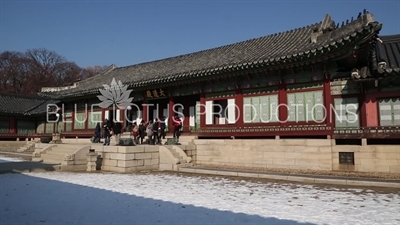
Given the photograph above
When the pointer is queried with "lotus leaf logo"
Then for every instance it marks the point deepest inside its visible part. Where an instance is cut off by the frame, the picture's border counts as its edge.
(115, 94)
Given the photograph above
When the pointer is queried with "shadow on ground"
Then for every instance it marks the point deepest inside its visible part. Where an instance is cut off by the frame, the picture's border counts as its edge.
(25, 166)
(31, 200)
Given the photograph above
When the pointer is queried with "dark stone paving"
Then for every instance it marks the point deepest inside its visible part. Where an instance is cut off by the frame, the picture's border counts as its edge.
(18, 167)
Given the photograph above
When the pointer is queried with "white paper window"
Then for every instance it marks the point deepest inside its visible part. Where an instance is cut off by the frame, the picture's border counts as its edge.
(209, 112)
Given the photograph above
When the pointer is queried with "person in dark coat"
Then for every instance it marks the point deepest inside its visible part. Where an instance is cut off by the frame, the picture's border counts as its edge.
(142, 131)
(107, 127)
(155, 128)
(97, 133)
(161, 135)
(117, 130)
(177, 123)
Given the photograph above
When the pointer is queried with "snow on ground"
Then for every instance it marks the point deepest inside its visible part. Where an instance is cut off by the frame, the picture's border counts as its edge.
(6, 159)
(168, 198)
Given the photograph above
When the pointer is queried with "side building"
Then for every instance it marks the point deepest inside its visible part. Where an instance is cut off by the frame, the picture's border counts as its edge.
(25, 117)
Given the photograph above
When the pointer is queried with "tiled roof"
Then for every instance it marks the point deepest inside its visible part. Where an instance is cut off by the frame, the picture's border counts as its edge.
(266, 51)
(388, 51)
(23, 105)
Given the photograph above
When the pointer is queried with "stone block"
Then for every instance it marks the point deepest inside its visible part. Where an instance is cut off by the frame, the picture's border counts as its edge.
(110, 162)
(301, 179)
(147, 162)
(204, 147)
(155, 161)
(324, 149)
(130, 149)
(273, 177)
(155, 155)
(190, 147)
(319, 156)
(143, 155)
(330, 181)
(295, 155)
(119, 156)
(307, 162)
(145, 167)
(212, 153)
(388, 148)
(206, 171)
(111, 149)
(282, 161)
(150, 148)
(164, 166)
(254, 142)
(130, 163)
(394, 169)
(113, 169)
(393, 156)
(373, 168)
(293, 142)
(106, 155)
(253, 175)
(318, 142)
(271, 142)
(235, 142)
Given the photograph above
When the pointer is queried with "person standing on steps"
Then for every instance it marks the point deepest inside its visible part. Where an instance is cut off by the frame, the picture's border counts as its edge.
(155, 128)
(177, 124)
(107, 127)
(142, 131)
(163, 126)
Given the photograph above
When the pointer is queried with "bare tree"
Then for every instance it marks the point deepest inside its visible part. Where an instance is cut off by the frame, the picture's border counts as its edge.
(92, 71)
(14, 72)
(26, 73)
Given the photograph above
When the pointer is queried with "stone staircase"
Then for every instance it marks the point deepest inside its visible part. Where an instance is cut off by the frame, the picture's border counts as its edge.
(29, 147)
(71, 157)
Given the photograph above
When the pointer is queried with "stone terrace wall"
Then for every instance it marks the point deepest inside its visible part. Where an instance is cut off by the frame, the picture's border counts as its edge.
(304, 154)
(370, 158)
(125, 159)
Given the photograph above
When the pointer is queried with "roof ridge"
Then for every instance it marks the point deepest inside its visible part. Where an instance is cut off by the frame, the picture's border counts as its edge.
(103, 72)
(22, 96)
(223, 46)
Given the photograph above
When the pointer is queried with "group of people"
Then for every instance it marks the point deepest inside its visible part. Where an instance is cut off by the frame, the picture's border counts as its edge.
(153, 130)
(106, 130)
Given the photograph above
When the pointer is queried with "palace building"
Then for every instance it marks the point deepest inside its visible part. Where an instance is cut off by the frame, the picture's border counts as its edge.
(324, 80)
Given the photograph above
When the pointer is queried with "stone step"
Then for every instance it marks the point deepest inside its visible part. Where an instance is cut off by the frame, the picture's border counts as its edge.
(182, 165)
(51, 161)
(64, 150)
(53, 157)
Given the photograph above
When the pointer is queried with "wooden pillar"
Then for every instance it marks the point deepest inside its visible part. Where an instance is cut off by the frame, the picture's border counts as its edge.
(239, 109)
(202, 111)
(328, 102)
(171, 104)
(363, 111)
(186, 122)
(12, 125)
(145, 110)
(283, 107)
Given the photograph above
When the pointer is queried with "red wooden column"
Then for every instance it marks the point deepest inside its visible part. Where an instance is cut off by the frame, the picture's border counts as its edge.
(171, 104)
(186, 122)
(145, 111)
(283, 107)
(239, 108)
(363, 111)
(328, 102)
(202, 111)
(12, 125)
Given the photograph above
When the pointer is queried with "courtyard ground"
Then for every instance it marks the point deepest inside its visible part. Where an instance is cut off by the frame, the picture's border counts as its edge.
(172, 198)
